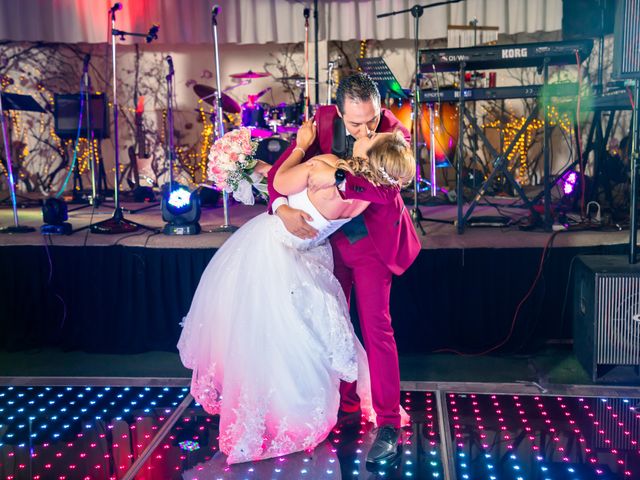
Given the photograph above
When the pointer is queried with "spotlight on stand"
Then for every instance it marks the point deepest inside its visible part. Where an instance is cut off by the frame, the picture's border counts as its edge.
(54, 215)
(181, 210)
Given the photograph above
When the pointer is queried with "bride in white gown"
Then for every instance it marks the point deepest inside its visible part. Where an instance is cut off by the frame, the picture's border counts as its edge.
(268, 334)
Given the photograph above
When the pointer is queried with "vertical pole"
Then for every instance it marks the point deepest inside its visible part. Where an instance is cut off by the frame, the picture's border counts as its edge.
(7, 155)
(460, 150)
(116, 185)
(548, 221)
(635, 145)
(220, 124)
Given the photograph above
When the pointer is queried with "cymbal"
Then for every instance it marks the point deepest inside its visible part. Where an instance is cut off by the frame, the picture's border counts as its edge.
(207, 94)
(249, 74)
(293, 78)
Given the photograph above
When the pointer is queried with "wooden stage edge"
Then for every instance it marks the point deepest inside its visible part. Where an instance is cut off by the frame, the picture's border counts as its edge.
(438, 235)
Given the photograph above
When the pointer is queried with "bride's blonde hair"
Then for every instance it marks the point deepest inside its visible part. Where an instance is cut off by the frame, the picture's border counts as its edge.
(389, 162)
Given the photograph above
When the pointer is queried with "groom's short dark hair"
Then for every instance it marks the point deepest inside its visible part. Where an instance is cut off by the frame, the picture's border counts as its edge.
(359, 87)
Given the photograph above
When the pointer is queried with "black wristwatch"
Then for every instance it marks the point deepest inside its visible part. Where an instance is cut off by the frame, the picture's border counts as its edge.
(340, 175)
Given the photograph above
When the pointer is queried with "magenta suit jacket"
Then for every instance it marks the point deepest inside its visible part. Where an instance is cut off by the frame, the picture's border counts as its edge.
(387, 219)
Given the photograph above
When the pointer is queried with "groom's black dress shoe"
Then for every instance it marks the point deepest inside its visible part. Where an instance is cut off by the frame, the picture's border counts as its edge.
(385, 449)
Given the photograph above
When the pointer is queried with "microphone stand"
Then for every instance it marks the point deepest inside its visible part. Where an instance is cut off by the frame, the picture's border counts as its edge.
(16, 228)
(85, 91)
(306, 63)
(95, 198)
(316, 64)
(117, 223)
(416, 12)
(225, 227)
(170, 147)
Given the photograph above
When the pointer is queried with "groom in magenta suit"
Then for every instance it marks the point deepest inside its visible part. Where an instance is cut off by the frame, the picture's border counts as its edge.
(368, 250)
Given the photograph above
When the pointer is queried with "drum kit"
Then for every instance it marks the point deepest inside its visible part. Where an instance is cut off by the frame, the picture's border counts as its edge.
(274, 125)
(271, 124)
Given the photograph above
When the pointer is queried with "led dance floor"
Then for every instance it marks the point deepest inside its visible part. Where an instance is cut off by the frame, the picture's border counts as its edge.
(66, 433)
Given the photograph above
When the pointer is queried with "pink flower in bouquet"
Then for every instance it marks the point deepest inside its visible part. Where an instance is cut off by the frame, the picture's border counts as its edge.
(231, 159)
(231, 164)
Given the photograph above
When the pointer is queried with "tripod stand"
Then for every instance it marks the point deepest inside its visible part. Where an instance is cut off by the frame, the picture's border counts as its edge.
(117, 223)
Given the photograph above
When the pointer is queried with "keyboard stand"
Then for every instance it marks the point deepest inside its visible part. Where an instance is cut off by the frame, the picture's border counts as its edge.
(500, 161)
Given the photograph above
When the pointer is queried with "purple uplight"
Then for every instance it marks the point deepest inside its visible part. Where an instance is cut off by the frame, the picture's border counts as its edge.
(569, 181)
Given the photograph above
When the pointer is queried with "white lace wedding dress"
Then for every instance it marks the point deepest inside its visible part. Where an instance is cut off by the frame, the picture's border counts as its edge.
(268, 338)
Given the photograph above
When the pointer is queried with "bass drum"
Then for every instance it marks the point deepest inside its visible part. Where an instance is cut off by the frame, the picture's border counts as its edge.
(287, 114)
(270, 149)
(445, 129)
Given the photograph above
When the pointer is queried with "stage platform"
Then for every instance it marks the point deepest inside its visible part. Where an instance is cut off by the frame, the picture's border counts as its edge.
(440, 231)
(127, 293)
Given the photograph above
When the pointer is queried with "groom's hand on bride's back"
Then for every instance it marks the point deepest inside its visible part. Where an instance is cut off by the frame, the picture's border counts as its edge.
(296, 222)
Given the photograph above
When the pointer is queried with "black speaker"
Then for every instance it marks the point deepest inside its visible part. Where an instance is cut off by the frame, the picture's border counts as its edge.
(587, 18)
(606, 316)
(626, 47)
(67, 112)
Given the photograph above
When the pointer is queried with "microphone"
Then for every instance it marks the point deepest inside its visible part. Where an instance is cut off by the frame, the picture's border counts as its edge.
(170, 62)
(153, 33)
(306, 12)
(214, 13)
(116, 6)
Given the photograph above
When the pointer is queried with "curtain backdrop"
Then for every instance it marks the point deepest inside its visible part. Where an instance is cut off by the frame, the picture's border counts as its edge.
(119, 299)
(264, 21)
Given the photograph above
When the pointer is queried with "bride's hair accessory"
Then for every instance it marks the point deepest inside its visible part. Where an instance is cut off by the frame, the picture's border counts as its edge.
(388, 178)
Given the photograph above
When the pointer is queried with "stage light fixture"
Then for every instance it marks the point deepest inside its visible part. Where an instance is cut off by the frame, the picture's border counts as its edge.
(54, 215)
(181, 210)
(568, 182)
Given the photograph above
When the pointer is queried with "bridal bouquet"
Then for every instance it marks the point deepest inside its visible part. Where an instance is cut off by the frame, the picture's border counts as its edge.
(231, 165)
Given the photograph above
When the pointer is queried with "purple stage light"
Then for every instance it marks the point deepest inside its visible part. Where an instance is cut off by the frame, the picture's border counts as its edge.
(569, 181)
